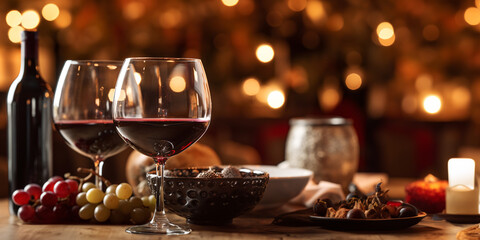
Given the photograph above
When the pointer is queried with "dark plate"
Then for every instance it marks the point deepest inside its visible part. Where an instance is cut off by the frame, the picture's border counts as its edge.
(461, 218)
(367, 224)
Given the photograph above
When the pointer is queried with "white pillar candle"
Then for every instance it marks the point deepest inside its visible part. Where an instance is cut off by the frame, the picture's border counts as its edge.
(461, 195)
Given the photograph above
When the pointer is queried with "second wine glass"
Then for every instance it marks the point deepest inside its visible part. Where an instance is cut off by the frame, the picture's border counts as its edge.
(82, 110)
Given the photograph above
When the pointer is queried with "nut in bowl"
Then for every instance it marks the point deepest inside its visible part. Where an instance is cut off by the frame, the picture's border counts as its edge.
(204, 196)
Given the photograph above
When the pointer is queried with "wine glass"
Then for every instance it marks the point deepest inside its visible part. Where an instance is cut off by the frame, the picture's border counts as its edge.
(82, 110)
(161, 107)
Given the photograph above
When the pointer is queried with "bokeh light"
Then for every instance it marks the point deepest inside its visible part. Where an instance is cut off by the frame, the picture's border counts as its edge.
(134, 10)
(15, 34)
(50, 12)
(353, 81)
(432, 104)
(30, 19)
(472, 16)
(229, 3)
(13, 18)
(251, 86)
(385, 30)
(315, 11)
(297, 5)
(329, 97)
(265, 53)
(276, 99)
(64, 19)
(177, 84)
(387, 42)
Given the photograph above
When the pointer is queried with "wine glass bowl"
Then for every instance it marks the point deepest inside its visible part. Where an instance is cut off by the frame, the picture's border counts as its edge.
(161, 107)
(82, 109)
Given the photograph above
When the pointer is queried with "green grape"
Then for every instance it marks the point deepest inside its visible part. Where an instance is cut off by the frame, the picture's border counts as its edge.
(145, 201)
(140, 215)
(153, 202)
(123, 191)
(111, 189)
(136, 202)
(86, 212)
(125, 207)
(86, 186)
(101, 213)
(116, 217)
(81, 199)
(111, 201)
(95, 195)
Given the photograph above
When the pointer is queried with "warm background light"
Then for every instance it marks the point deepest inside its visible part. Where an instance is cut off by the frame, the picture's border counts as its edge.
(251, 86)
(276, 99)
(229, 3)
(297, 5)
(353, 81)
(472, 16)
(50, 12)
(432, 104)
(15, 34)
(265, 53)
(385, 30)
(64, 19)
(177, 84)
(30, 19)
(13, 18)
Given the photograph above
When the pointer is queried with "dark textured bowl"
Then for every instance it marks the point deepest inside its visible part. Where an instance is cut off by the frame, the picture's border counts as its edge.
(213, 201)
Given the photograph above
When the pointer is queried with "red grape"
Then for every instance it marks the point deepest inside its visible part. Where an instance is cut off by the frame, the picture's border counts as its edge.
(73, 185)
(62, 189)
(45, 214)
(48, 199)
(26, 213)
(74, 213)
(48, 186)
(72, 200)
(55, 179)
(34, 190)
(61, 211)
(20, 197)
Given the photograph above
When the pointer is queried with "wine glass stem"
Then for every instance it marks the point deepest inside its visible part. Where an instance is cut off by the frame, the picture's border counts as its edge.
(159, 204)
(99, 171)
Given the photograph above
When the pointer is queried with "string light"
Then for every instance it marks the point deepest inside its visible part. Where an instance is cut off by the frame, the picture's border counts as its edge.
(251, 86)
(177, 84)
(229, 3)
(265, 53)
(13, 18)
(30, 19)
(64, 19)
(276, 99)
(353, 81)
(15, 34)
(472, 16)
(50, 12)
(432, 104)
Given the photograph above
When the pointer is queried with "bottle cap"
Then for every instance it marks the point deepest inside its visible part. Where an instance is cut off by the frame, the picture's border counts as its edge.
(29, 34)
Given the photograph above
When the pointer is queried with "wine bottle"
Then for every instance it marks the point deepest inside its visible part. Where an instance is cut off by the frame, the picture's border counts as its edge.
(29, 113)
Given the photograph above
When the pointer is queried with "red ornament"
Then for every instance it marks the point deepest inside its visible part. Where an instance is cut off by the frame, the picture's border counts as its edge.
(428, 194)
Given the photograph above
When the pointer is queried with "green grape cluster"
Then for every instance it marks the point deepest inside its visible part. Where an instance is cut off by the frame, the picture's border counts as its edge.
(116, 205)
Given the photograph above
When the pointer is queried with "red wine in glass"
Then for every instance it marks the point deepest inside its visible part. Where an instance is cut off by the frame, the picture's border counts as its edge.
(95, 137)
(161, 137)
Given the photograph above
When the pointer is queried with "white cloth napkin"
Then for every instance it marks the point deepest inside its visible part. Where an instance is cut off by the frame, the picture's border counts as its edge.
(314, 191)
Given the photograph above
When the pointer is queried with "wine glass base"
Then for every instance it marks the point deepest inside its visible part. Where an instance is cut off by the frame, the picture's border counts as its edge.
(165, 228)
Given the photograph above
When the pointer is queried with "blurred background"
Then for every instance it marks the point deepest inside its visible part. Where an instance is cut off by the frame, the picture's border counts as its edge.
(407, 72)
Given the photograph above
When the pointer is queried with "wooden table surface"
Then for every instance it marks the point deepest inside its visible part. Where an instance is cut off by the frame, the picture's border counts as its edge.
(252, 226)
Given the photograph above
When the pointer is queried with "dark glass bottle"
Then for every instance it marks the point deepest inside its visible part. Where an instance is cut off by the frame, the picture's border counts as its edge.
(29, 108)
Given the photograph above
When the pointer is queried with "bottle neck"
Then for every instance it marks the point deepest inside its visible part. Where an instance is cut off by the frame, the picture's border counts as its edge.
(29, 54)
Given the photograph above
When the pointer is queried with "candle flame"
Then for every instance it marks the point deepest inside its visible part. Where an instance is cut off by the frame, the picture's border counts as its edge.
(430, 178)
